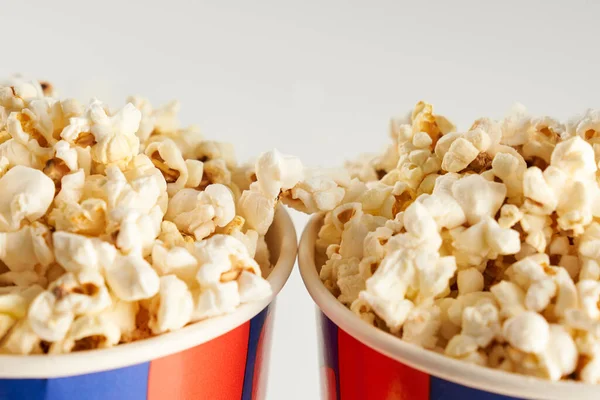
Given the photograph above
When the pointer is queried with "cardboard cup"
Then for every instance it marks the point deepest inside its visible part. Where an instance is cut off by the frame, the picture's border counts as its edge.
(218, 358)
(359, 361)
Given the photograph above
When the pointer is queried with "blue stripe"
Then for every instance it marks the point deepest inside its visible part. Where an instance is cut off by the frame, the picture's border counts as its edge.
(329, 347)
(129, 383)
(23, 389)
(440, 389)
(256, 327)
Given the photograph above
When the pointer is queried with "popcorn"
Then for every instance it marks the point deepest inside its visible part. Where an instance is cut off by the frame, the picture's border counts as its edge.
(132, 278)
(76, 252)
(137, 231)
(469, 280)
(200, 213)
(88, 332)
(538, 191)
(253, 287)
(478, 197)
(460, 154)
(27, 194)
(481, 244)
(26, 249)
(315, 193)
(15, 301)
(111, 137)
(175, 260)
(223, 276)
(52, 312)
(464, 348)
(222, 258)
(421, 326)
(528, 332)
(510, 168)
(216, 300)
(172, 308)
(276, 172)
(349, 280)
(167, 157)
(482, 323)
(257, 209)
(21, 339)
(120, 225)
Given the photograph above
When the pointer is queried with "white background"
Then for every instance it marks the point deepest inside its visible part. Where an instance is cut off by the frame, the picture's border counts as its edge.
(318, 79)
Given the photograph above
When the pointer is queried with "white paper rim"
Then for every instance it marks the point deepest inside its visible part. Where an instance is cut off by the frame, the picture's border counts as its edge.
(460, 372)
(84, 362)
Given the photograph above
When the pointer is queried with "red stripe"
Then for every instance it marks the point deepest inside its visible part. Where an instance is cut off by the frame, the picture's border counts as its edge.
(212, 370)
(367, 374)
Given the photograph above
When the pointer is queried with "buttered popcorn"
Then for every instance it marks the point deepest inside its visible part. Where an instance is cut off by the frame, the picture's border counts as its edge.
(483, 245)
(116, 225)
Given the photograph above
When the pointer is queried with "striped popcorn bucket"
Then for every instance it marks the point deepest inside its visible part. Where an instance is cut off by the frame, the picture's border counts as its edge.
(359, 361)
(223, 358)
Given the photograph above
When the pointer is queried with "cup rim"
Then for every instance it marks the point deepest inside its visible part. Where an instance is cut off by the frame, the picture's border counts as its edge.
(124, 355)
(457, 371)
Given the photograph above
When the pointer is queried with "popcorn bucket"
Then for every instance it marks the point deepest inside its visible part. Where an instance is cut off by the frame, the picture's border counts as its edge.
(219, 358)
(359, 361)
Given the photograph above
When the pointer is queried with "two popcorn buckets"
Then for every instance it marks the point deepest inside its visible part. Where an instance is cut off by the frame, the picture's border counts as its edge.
(227, 357)
(359, 361)
(219, 358)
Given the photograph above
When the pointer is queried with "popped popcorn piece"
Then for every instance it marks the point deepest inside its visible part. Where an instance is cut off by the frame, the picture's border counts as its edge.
(464, 347)
(510, 297)
(199, 213)
(276, 172)
(215, 300)
(257, 208)
(252, 287)
(425, 275)
(315, 193)
(469, 280)
(52, 312)
(77, 252)
(21, 339)
(137, 231)
(527, 331)
(172, 307)
(26, 195)
(88, 332)
(510, 215)
(560, 356)
(174, 260)
(421, 326)
(167, 157)
(112, 138)
(27, 249)
(222, 258)
(15, 301)
(478, 197)
(349, 280)
(460, 154)
(132, 278)
(482, 323)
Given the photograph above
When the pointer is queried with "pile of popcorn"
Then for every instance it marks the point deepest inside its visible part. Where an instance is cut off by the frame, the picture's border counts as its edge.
(117, 225)
(482, 245)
